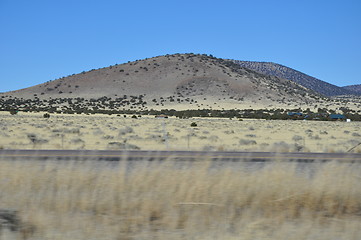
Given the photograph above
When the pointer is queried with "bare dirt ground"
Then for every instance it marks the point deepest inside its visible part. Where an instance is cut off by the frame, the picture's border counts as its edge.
(32, 131)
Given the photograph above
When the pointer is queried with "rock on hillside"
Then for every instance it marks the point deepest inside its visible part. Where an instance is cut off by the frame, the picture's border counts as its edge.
(188, 80)
(307, 81)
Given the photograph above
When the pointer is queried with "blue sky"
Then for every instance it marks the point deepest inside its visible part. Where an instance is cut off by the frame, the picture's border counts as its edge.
(43, 40)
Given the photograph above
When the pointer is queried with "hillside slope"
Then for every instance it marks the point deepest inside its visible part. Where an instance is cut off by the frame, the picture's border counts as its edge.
(354, 88)
(305, 80)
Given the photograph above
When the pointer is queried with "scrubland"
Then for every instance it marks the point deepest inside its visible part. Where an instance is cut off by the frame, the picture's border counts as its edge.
(188, 200)
(32, 131)
(179, 199)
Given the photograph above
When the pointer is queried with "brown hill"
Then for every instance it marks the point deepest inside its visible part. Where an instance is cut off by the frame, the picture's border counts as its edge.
(175, 81)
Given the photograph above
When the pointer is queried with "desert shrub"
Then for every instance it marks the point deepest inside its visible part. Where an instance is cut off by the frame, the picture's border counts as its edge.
(32, 137)
(46, 115)
(13, 111)
(77, 141)
(72, 130)
(251, 135)
(315, 137)
(35, 139)
(122, 146)
(297, 138)
(281, 147)
(134, 116)
(229, 131)
(193, 124)
(125, 130)
(39, 125)
(108, 137)
(247, 142)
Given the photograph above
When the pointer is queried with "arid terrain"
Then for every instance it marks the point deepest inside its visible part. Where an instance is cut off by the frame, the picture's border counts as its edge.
(33, 131)
(138, 200)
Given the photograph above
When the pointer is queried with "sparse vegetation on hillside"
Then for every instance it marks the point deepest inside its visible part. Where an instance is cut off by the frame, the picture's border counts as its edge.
(354, 88)
(273, 69)
(192, 81)
(169, 79)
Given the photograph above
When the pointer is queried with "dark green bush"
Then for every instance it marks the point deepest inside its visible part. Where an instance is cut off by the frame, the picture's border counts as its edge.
(13, 111)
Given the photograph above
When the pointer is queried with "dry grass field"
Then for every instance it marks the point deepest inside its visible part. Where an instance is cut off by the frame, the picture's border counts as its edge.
(32, 131)
(93, 200)
(152, 200)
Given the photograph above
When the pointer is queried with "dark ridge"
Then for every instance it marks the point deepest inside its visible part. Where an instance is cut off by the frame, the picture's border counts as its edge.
(354, 88)
(305, 80)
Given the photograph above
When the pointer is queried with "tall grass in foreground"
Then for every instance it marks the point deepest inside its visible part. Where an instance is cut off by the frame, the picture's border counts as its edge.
(89, 200)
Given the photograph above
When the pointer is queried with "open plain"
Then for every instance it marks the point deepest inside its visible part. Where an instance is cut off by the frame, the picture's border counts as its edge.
(122, 132)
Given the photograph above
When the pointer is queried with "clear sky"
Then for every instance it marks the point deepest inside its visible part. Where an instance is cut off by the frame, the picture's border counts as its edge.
(43, 40)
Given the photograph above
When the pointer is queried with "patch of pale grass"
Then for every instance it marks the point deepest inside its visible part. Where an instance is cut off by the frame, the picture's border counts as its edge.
(152, 200)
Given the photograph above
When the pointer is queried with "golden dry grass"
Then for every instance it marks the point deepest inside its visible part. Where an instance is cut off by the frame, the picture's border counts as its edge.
(32, 131)
(183, 200)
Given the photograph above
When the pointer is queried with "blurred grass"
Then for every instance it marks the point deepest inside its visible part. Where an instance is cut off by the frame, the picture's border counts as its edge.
(152, 200)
